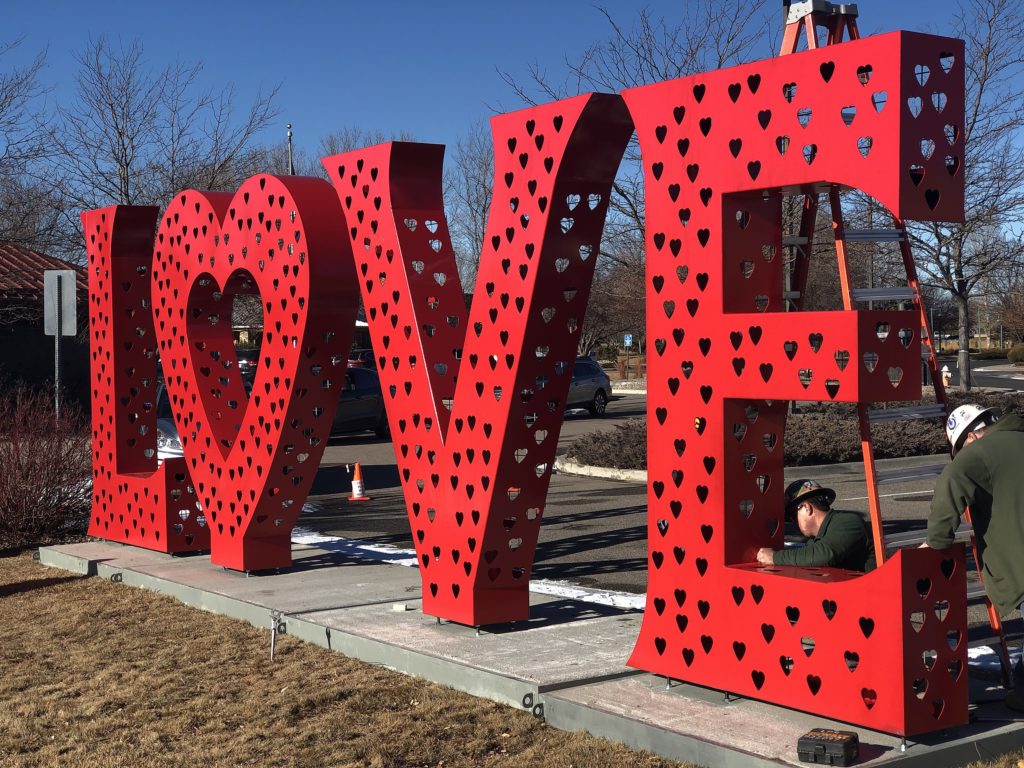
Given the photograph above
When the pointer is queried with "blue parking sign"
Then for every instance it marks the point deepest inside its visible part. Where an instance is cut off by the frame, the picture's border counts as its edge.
(628, 340)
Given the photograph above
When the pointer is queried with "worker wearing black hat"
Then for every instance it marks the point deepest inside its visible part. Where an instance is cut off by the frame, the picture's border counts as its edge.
(834, 538)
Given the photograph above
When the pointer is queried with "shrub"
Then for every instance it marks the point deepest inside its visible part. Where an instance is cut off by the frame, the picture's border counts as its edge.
(623, 447)
(1016, 354)
(608, 352)
(821, 433)
(989, 354)
(45, 467)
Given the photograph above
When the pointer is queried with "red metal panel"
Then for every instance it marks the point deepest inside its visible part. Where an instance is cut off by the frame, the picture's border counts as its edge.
(253, 458)
(719, 150)
(475, 477)
(134, 501)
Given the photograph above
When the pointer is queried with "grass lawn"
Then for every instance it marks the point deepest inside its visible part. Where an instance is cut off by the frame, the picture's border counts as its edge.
(101, 675)
(98, 674)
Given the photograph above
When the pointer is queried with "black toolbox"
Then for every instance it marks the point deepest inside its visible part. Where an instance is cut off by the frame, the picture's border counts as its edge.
(828, 747)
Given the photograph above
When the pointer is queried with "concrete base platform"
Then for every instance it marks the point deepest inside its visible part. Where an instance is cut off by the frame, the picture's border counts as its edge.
(711, 728)
(567, 663)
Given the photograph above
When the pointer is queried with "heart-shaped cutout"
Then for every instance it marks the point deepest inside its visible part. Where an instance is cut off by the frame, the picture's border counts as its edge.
(211, 246)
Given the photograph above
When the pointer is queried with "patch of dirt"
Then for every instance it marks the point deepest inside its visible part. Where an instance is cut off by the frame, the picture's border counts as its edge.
(97, 674)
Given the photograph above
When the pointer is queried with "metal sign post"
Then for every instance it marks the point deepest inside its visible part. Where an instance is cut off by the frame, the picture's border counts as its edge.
(627, 342)
(59, 318)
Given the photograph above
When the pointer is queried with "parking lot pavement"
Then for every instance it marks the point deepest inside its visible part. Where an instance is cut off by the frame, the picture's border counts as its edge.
(595, 530)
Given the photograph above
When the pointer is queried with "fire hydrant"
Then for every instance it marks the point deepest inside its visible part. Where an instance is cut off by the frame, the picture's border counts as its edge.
(947, 375)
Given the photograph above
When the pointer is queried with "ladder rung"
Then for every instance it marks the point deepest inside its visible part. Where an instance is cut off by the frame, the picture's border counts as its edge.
(902, 293)
(791, 295)
(909, 473)
(975, 590)
(874, 235)
(914, 538)
(908, 413)
(794, 240)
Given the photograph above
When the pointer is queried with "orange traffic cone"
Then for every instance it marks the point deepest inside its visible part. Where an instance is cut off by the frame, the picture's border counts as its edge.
(358, 490)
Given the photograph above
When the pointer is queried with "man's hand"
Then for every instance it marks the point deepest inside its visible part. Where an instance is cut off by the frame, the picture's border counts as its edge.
(766, 556)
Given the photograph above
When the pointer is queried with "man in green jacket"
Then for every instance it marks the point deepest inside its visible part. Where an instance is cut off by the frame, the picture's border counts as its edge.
(835, 538)
(987, 475)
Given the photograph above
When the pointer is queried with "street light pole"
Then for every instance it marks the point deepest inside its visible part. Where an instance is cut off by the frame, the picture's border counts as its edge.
(291, 161)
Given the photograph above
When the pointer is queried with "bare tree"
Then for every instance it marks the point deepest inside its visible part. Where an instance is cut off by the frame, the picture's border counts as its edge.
(349, 138)
(30, 212)
(709, 34)
(957, 257)
(1009, 304)
(469, 177)
(136, 136)
(616, 305)
(28, 200)
(21, 143)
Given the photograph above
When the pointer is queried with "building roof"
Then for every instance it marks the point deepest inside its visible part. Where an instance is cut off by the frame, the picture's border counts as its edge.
(21, 274)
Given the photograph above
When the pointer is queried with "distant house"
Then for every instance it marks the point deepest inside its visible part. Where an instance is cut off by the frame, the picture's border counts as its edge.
(247, 323)
(26, 354)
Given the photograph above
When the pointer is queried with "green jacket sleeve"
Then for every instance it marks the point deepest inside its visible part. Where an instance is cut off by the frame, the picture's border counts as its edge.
(817, 552)
(840, 537)
(954, 492)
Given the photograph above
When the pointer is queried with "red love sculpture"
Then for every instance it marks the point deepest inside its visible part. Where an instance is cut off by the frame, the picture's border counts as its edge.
(134, 501)
(888, 649)
(476, 403)
(253, 456)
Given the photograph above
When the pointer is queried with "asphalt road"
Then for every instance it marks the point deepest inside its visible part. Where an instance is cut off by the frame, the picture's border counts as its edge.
(990, 373)
(594, 531)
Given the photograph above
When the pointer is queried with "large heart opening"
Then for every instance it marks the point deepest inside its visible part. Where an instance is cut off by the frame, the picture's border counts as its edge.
(225, 369)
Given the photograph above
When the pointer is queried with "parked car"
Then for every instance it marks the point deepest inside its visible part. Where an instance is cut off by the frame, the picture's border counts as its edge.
(590, 387)
(360, 408)
(362, 358)
(168, 444)
(248, 359)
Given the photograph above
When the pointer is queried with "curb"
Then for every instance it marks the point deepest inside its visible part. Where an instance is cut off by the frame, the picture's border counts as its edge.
(624, 391)
(570, 467)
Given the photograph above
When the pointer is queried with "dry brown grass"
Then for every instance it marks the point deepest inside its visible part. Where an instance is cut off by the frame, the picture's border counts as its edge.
(1009, 760)
(99, 675)
(95, 674)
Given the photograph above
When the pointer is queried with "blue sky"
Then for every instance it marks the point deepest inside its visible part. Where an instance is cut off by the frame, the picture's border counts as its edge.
(427, 68)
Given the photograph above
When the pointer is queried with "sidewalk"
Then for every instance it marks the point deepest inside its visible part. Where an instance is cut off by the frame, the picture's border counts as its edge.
(565, 664)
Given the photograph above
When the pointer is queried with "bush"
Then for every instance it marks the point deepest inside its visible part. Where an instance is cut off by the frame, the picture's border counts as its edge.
(608, 352)
(821, 433)
(45, 467)
(624, 447)
(989, 354)
(1016, 354)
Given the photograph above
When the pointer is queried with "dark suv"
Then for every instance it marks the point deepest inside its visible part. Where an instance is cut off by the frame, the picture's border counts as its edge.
(361, 405)
(590, 387)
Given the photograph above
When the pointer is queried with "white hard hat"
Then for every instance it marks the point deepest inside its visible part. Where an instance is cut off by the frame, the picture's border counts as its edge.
(966, 419)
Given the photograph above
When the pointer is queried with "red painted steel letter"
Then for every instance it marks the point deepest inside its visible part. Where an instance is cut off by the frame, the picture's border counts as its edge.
(476, 399)
(886, 650)
(253, 457)
(134, 501)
